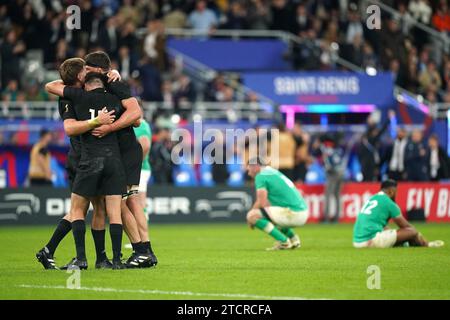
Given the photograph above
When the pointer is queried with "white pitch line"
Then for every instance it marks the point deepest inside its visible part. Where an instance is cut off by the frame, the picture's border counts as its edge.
(176, 293)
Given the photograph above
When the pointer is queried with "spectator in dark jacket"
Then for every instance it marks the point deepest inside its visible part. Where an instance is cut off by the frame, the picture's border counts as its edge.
(236, 17)
(219, 166)
(395, 156)
(335, 165)
(437, 160)
(392, 44)
(151, 81)
(108, 36)
(11, 50)
(128, 38)
(282, 16)
(127, 63)
(184, 89)
(416, 158)
(368, 152)
(302, 22)
(160, 157)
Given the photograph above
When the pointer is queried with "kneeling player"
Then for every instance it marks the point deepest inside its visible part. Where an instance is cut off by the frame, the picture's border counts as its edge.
(370, 229)
(278, 207)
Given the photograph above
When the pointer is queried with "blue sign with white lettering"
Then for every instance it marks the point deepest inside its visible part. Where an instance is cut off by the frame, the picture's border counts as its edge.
(337, 88)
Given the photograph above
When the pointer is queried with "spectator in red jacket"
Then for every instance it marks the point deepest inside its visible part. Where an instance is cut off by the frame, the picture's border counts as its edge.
(441, 19)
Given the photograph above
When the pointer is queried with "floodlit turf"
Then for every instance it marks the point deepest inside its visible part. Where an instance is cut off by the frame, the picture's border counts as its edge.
(229, 262)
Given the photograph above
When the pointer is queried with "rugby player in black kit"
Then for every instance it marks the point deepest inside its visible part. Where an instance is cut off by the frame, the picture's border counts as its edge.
(72, 73)
(100, 171)
(72, 68)
(131, 153)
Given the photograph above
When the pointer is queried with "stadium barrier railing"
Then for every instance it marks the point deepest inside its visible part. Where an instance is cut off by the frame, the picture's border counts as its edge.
(252, 111)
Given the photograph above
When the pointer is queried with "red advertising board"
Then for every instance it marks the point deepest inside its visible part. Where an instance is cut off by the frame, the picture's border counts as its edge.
(434, 198)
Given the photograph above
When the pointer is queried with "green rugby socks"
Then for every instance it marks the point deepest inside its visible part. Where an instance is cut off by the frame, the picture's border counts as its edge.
(268, 227)
(288, 232)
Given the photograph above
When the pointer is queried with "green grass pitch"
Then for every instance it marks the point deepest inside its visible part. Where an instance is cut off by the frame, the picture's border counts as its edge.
(228, 261)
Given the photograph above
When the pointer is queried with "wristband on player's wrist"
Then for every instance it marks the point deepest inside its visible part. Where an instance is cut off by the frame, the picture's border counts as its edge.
(93, 123)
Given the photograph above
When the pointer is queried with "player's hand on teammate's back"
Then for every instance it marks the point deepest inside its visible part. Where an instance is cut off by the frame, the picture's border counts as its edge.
(106, 117)
(113, 76)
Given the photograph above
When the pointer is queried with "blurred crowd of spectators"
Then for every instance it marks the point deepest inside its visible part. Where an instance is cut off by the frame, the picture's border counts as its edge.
(416, 59)
(409, 155)
(406, 157)
(113, 26)
(302, 156)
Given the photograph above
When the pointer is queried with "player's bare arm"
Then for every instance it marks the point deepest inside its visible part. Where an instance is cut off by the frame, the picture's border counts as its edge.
(44, 162)
(132, 114)
(114, 75)
(402, 223)
(407, 233)
(55, 87)
(74, 127)
(261, 199)
(145, 144)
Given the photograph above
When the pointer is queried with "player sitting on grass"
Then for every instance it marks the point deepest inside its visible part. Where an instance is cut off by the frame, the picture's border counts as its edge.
(278, 207)
(370, 228)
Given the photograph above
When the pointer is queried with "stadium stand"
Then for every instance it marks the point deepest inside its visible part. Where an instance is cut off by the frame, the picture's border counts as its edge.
(191, 60)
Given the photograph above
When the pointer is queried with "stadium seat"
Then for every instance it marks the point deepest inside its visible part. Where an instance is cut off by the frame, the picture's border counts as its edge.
(58, 174)
(206, 178)
(355, 169)
(236, 173)
(316, 174)
(184, 175)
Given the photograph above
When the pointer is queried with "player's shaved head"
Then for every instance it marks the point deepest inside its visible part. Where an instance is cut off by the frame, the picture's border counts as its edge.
(255, 164)
(95, 80)
(390, 188)
(388, 184)
(98, 59)
(71, 71)
(259, 161)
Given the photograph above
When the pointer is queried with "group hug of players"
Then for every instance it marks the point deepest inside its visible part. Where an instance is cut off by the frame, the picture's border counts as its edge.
(104, 165)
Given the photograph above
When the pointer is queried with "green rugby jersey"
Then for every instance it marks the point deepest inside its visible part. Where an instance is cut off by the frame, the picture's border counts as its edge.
(281, 191)
(144, 130)
(374, 216)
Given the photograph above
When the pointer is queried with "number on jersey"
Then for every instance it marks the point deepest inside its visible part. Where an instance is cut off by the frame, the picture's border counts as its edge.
(92, 111)
(368, 207)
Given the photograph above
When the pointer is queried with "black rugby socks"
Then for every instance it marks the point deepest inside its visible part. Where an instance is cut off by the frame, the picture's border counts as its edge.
(62, 229)
(79, 232)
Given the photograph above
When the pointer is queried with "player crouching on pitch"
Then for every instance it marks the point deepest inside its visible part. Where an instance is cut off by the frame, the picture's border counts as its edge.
(370, 230)
(278, 206)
